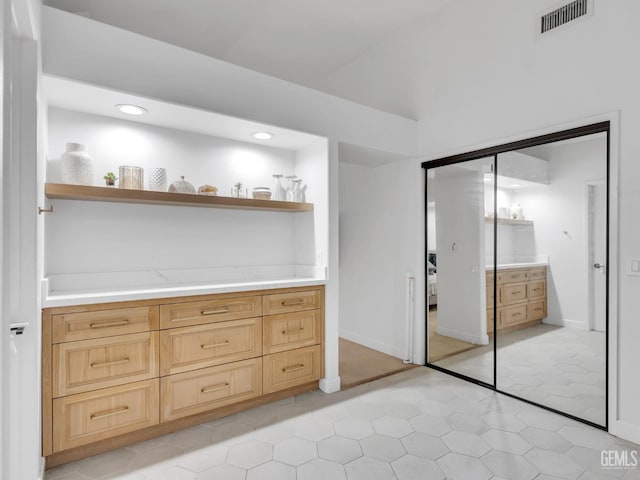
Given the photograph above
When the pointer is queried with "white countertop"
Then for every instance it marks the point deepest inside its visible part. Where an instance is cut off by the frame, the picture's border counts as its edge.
(510, 266)
(88, 288)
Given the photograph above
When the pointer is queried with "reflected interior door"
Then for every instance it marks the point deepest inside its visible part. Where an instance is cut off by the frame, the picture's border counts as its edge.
(459, 333)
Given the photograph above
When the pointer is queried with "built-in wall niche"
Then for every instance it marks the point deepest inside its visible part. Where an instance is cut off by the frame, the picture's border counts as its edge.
(141, 245)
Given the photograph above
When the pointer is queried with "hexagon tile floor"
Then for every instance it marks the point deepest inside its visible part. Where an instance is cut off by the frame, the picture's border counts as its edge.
(419, 424)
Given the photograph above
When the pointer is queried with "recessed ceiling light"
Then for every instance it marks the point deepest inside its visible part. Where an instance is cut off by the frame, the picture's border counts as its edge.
(515, 185)
(131, 109)
(263, 135)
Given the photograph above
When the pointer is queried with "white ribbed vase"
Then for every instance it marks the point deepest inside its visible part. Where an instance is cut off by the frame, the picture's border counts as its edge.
(76, 165)
(158, 180)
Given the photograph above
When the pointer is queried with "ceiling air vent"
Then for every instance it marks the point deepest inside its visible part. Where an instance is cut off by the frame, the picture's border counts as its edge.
(563, 15)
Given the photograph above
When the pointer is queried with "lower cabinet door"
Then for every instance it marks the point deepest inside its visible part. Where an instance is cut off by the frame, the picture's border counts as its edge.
(201, 390)
(514, 315)
(292, 368)
(90, 417)
(538, 310)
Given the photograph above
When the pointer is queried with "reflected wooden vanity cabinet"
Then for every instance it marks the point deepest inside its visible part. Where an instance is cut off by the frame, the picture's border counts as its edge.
(521, 297)
(114, 374)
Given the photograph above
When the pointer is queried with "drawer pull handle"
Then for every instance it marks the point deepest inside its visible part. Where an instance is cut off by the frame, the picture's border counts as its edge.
(292, 332)
(115, 323)
(293, 368)
(109, 413)
(215, 388)
(516, 292)
(517, 314)
(289, 303)
(108, 364)
(214, 345)
(215, 311)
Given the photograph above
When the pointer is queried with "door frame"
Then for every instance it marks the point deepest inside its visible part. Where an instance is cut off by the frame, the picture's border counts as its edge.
(606, 122)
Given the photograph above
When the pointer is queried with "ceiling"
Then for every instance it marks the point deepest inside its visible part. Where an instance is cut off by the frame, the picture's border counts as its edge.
(81, 97)
(308, 42)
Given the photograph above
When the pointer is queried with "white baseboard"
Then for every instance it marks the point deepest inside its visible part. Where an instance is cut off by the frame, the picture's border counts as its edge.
(330, 385)
(464, 336)
(374, 344)
(626, 431)
(41, 469)
(565, 322)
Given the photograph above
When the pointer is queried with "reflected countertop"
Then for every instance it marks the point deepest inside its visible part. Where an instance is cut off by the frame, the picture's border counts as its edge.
(515, 265)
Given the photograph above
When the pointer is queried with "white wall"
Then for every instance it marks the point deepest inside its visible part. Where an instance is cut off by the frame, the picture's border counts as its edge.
(101, 237)
(558, 208)
(495, 79)
(380, 208)
(200, 158)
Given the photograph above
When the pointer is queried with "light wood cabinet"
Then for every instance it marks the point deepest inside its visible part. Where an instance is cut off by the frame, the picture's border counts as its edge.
(70, 327)
(286, 369)
(114, 374)
(204, 389)
(521, 298)
(187, 348)
(214, 310)
(104, 362)
(94, 416)
(292, 330)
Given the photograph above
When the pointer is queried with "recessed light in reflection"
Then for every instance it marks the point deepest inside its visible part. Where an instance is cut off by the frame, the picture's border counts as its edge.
(131, 109)
(263, 135)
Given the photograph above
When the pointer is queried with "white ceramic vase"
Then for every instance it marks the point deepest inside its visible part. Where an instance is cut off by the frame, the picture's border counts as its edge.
(76, 165)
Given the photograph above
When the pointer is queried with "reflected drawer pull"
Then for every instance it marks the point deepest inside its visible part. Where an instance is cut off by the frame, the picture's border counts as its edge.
(516, 292)
(291, 332)
(108, 364)
(215, 388)
(293, 368)
(109, 413)
(289, 303)
(517, 314)
(216, 311)
(214, 345)
(115, 323)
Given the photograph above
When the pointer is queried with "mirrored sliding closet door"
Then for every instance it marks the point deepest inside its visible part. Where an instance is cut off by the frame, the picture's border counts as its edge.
(517, 254)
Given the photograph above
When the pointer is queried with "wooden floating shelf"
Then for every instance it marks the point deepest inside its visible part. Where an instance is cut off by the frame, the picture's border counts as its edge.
(121, 195)
(508, 221)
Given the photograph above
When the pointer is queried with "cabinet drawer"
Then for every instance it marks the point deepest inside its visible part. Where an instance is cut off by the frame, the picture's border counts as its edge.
(292, 330)
(70, 327)
(490, 320)
(537, 273)
(188, 348)
(512, 276)
(104, 362)
(537, 310)
(513, 315)
(288, 369)
(202, 390)
(215, 310)
(291, 302)
(513, 293)
(490, 295)
(95, 416)
(537, 289)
